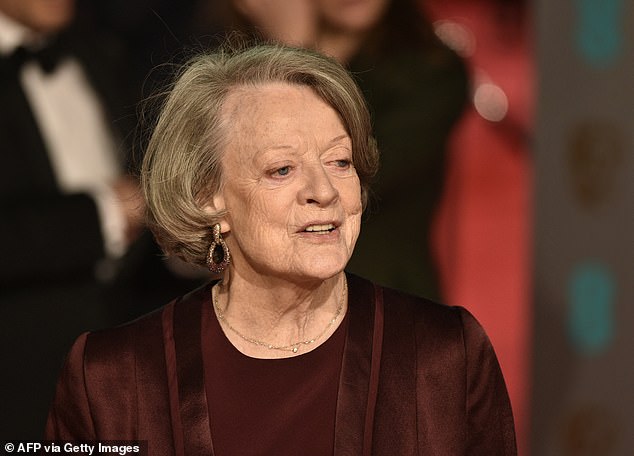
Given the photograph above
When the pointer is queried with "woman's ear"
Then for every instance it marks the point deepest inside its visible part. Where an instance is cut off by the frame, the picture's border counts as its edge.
(217, 204)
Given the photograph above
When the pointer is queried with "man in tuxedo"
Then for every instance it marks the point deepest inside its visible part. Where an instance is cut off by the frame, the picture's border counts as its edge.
(73, 256)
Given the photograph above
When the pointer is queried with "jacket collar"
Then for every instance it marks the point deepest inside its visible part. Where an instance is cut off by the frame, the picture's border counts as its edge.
(359, 371)
(186, 380)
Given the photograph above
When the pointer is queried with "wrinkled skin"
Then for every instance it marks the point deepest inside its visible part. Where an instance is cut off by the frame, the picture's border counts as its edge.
(287, 167)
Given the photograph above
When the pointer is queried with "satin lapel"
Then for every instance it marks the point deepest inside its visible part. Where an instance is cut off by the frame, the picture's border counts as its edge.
(357, 394)
(195, 435)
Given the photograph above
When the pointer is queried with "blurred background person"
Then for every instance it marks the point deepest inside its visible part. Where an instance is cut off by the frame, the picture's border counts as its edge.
(483, 231)
(71, 218)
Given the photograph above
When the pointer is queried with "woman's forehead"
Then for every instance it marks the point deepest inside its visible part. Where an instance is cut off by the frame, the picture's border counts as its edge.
(274, 112)
(241, 98)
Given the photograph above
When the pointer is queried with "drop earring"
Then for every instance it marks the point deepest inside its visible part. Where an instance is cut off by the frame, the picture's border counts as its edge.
(218, 256)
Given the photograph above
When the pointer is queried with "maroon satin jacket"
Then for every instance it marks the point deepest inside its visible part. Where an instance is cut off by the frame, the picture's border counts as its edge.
(417, 378)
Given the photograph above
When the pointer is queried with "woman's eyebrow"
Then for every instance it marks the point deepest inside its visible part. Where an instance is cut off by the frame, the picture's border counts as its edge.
(337, 139)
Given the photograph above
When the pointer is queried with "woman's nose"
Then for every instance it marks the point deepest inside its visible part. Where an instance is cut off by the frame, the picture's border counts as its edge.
(318, 187)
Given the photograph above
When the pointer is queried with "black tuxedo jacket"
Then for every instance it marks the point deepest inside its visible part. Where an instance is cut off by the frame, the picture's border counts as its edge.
(51, 242)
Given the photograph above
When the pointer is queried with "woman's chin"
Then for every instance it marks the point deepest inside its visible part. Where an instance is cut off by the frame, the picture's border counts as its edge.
(319, 271)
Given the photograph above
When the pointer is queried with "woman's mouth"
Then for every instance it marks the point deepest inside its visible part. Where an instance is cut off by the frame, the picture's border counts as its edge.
(320, 229)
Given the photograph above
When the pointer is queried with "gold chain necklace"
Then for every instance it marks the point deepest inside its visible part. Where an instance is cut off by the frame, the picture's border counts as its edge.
(294, 347)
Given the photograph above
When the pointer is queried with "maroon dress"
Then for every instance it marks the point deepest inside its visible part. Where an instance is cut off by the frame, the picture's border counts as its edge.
(271, 406)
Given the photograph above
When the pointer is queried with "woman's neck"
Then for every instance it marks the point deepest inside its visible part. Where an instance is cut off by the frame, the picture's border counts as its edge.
(278, 312)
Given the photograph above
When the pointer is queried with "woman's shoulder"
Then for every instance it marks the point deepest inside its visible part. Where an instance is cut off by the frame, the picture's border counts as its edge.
(403, 301)
(146, 331)
(449, 329)
(428, 318)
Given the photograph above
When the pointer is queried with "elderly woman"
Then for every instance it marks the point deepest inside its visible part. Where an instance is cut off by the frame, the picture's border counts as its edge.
(259, 168)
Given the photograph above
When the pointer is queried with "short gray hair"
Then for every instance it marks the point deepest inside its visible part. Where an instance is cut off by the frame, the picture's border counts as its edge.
(181, 169)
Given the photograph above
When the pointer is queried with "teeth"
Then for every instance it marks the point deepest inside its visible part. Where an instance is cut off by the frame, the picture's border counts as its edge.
(313, 228)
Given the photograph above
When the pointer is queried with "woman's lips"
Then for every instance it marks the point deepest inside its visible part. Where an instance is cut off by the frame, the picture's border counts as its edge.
(323, 228)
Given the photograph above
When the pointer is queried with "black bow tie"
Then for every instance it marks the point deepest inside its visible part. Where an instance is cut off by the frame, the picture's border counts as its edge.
(47, 57)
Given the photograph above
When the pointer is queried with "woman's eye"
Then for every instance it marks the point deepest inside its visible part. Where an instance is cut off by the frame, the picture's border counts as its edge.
(283, 171)
(343, 163)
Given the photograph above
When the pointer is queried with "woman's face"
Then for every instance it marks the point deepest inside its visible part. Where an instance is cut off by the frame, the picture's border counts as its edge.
(356, 16)
(292, 194)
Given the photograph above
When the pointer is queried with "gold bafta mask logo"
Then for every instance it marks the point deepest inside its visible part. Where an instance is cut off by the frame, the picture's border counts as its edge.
(595, 155)
(590, 430)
